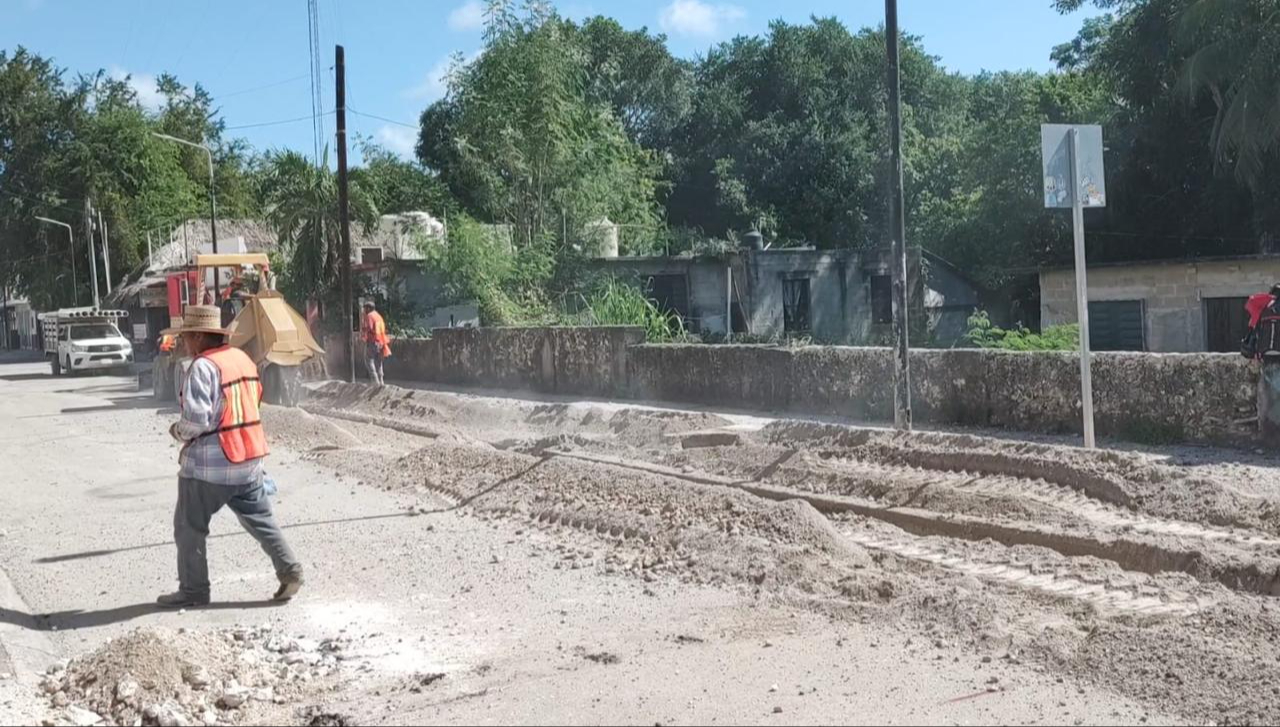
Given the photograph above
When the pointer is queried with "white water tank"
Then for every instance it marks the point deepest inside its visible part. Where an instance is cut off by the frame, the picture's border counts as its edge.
(602, 237)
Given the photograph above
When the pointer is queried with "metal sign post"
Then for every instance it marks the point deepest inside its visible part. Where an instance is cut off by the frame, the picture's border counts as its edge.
(1074, 177)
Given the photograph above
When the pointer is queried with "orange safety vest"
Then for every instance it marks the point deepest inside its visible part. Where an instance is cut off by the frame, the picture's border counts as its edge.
(240, 432)
(375, 331)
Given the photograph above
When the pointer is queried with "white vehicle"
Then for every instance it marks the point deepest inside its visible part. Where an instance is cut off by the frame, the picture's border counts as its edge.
(85, 339)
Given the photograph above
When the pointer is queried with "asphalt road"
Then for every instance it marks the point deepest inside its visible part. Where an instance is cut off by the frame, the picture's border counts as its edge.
(85, 547)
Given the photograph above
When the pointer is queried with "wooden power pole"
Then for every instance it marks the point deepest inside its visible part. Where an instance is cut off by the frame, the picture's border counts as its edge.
(344, 212)
(898, 229)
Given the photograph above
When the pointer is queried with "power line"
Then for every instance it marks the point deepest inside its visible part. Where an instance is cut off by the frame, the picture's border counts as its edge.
(382, 118)
(278, 123)
(33, 258)
(317, 76)
(260, 88)
(45, 204)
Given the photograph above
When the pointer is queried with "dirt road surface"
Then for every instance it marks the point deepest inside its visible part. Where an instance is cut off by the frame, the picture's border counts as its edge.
(482, 561)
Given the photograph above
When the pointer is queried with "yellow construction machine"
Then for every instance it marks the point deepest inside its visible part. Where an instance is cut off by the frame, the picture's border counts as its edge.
(262, 324)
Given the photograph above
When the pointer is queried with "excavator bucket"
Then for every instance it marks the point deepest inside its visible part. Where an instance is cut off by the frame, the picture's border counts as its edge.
(269, 330)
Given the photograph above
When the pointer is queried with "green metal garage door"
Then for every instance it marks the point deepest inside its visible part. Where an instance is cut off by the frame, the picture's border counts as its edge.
(1116, 325)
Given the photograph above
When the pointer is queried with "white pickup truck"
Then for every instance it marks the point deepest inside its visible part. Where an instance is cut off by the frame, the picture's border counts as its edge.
(85, 339)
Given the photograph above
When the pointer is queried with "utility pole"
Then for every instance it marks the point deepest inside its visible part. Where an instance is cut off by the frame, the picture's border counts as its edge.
(898, 229)
(344, 214)
(4, 306)
(106, 250)
(93, 262)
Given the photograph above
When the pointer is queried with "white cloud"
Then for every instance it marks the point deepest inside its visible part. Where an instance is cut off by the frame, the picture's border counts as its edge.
(467, 17)
(697, 18)
(434, 85)
(437, 81)
(399, 139)
(143, 84)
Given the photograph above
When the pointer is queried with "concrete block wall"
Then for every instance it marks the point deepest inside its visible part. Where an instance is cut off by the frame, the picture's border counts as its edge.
(1173, 294)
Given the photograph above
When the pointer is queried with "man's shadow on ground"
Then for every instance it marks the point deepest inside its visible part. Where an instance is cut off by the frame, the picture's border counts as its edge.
(78, 619)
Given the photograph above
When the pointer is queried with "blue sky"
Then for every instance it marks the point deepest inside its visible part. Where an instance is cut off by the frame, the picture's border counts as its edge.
(252, 54)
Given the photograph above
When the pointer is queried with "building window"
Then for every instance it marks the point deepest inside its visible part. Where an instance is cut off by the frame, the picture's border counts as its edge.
(670, 293)
(1225, 323)
(371, 255)
(795, 305)
(1117, 325)
(881, 299)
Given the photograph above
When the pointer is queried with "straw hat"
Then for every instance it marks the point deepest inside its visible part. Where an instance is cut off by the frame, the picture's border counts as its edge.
(200, 319)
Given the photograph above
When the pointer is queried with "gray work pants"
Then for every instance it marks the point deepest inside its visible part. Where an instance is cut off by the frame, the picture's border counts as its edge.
(373, 360)
(198, 502)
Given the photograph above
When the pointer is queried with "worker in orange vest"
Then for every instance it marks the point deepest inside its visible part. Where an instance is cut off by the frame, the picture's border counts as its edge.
(224, 449)
(377, 345)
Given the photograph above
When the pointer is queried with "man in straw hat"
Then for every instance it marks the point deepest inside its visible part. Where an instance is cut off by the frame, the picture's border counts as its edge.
(224, 448)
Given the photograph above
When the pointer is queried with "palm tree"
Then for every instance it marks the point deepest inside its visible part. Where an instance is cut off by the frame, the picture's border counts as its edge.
(1234, 56)
(302, 205)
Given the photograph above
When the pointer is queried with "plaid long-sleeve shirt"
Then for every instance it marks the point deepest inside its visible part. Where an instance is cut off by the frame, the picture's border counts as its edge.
(203, 458)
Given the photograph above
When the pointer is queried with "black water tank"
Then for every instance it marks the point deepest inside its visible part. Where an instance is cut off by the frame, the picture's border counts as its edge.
(753, 240)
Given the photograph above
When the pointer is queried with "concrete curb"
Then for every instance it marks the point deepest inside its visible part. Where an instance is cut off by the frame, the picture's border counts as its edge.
(30, 649)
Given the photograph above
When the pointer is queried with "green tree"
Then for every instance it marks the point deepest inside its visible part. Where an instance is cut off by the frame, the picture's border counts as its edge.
(395, 185)
(650, 90)
(519, 141)
(64, 142)
(1191, 161)
(301, 201)
(979, 202)
(790, 130)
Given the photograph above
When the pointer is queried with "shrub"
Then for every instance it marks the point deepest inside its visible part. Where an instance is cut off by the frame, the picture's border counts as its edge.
(984, 334)
(616, 303)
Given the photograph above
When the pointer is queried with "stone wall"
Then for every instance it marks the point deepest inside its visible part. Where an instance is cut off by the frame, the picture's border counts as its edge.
(577, 361)
(1138, 397)
(1156, 398)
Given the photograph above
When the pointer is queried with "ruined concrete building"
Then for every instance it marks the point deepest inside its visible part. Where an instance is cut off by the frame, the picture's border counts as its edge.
(840, 296)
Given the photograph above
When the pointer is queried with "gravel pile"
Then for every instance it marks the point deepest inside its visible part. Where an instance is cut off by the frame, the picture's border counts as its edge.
(159, 677)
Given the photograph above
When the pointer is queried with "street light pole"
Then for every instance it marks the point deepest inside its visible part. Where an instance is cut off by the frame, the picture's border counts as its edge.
(71, 242)
(898, 228)
(213, 201)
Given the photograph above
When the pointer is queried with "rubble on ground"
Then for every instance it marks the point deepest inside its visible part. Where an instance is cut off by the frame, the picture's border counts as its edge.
(156, 677)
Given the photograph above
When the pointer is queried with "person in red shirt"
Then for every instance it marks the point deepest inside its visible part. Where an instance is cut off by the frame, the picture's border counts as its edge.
(377, 345)
(1259, 303)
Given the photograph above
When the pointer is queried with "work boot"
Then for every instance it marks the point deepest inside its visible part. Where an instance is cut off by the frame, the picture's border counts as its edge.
(181, 600)
(289, 587)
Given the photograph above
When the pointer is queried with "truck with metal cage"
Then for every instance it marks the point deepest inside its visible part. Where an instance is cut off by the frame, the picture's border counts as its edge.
(86, 339)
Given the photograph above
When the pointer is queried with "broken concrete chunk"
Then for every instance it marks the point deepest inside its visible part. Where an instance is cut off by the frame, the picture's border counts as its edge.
(234, 697)
(126, 689)
(196, 676)
(82, 717)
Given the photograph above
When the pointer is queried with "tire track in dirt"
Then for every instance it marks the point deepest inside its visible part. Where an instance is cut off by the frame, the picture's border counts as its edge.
(1251, 575)
(878, 477)
(1006, 569)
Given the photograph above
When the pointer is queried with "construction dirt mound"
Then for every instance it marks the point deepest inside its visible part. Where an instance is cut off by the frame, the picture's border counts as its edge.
(160, 677)
(502, 421)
